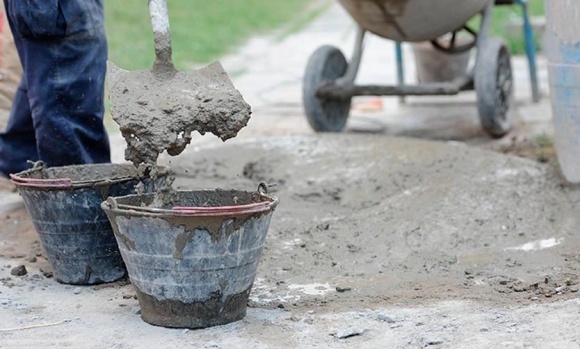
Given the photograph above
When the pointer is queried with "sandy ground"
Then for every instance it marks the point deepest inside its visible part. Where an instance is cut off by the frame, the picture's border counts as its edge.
(407, 231)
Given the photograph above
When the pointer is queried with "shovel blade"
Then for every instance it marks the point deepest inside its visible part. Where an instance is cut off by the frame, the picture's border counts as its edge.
(158, 111)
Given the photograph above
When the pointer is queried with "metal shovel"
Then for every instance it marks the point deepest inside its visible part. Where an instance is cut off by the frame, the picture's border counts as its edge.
(158, 109)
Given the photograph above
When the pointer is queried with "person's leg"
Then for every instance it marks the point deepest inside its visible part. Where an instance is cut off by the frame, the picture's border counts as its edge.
(10, 68)
(18, 140)
(63, 52)
(66, 98)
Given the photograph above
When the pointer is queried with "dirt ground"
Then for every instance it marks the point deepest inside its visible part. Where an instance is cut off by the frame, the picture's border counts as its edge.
(396, 219)
(409, 242)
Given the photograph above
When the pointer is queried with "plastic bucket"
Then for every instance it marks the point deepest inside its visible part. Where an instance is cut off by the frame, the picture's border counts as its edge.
(192, 262)
(562, 47)
(64, 204)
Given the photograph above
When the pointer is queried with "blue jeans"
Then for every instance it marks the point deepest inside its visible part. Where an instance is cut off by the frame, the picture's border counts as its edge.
(57, 115)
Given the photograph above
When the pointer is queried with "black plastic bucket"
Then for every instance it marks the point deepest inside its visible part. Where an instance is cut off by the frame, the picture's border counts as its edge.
(193, 261)
(64, 204)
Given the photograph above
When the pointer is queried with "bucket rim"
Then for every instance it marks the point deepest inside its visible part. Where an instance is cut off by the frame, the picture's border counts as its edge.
(268, 204)
(65, 183)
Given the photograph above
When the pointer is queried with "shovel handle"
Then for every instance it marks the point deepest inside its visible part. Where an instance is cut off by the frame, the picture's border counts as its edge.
(161, 36)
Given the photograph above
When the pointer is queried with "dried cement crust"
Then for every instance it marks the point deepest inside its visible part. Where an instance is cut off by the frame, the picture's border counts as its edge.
(158, 110)
(217, 310)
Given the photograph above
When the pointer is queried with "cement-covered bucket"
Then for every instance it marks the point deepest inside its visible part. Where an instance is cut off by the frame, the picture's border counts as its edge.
(64, 204)
(562, 47)
(192, 261)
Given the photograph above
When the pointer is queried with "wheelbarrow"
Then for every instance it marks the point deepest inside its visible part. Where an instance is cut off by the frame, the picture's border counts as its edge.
(329, 80)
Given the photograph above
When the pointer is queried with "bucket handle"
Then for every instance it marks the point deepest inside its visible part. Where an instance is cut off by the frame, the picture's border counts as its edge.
(194, 211)
(263, 189)
(219, 213)
(112, 203)
(42, 183)
(60, 183)
(222, 208)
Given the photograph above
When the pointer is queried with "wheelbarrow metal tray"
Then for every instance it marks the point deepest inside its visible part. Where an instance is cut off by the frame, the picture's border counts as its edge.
(412, 20)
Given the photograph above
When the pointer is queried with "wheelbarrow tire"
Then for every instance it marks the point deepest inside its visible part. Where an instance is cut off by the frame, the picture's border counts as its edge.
(494, 87)
(327, 63)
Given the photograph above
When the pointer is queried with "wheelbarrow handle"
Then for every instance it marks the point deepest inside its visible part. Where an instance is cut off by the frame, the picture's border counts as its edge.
(162, 38)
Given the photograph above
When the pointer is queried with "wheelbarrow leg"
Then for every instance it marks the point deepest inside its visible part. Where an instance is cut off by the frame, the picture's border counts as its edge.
(400, 68)
(484, 29)
(485, 25)
(530, 50)
(353, 66)
(483, 36)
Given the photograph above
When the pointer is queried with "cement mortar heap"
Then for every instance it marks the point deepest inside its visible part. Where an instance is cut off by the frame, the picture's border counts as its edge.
(158, 112)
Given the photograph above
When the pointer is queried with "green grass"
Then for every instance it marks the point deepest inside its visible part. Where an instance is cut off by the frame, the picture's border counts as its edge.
(304, 19)
(202, 30)
(503, 14)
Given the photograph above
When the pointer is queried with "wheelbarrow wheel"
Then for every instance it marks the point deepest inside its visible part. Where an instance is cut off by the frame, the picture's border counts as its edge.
(494, 87)
(326, 64)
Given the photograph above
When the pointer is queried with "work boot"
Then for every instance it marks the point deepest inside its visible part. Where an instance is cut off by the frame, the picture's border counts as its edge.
(10, 200)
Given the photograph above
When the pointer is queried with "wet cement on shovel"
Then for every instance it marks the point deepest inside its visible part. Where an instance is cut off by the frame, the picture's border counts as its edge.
(158, 112)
